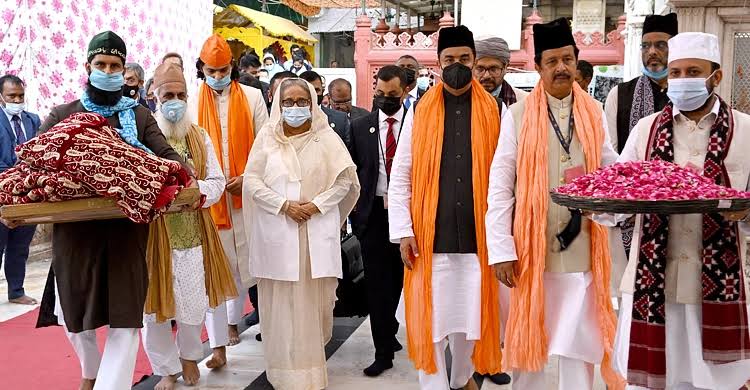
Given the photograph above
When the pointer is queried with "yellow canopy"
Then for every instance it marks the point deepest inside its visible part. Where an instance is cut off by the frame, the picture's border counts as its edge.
(238, 16)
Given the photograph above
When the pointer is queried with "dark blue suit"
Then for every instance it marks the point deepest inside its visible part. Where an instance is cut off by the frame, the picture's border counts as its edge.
(15, 242)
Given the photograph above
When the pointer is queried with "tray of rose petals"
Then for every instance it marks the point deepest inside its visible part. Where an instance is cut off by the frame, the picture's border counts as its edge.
(649, 187)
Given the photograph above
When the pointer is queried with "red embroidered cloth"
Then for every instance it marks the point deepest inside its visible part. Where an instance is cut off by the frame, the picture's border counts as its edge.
(82, 157)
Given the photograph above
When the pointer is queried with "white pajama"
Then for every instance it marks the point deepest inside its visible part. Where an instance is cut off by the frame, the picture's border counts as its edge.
(573, 374)
(572, 330)
(112, 370)
(162, 351)
(462, 368)
(228, 313)
(686, 368)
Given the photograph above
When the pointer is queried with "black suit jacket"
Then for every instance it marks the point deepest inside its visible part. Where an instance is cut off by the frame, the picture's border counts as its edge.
(339, 122)
(358, 112)
(365, 153)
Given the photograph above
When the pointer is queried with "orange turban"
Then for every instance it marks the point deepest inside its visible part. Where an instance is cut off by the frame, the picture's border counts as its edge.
(216, 52)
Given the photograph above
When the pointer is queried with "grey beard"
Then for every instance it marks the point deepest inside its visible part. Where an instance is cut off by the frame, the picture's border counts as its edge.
(174, 130)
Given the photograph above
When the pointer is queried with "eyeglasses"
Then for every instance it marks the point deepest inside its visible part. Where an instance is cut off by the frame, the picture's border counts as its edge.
(298, 103)
(494, 70)
(659, 45)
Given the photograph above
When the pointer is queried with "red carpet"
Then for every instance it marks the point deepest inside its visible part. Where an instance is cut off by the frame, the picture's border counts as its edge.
(42, 358)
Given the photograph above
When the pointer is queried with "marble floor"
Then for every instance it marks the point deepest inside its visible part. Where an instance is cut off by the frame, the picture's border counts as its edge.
(245, 367)
(349, 352)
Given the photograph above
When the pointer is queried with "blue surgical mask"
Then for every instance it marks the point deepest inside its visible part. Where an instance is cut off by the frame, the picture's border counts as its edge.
(423, 82)
(218, 84)
(296, 116)
(655, 75)
(688, 94)
(106, 81)
(173, 109)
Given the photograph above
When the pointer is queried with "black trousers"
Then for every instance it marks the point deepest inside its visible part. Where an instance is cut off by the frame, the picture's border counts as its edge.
(384, 278)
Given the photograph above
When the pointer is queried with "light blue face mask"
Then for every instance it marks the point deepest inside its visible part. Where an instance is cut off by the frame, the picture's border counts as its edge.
(296, 116)
(688, 94)
(173, 110)
(423, 82)
(655, 75)
(218, 84)
(106, 81)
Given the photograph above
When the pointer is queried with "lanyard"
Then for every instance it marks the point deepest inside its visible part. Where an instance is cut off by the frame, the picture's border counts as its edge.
(380, 145)
(565, 142)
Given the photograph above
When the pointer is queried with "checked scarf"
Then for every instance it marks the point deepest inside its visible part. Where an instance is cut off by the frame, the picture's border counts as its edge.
(126, 115)
(506, 93)
(724, 328)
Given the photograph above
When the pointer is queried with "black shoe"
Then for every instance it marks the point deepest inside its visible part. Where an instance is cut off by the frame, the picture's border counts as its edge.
(378, 367)
(397, 346)
(257, 337)
(252, 319)
(499, 379)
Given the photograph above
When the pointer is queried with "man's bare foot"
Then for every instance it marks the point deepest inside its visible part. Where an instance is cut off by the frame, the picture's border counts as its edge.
(190, 372)
(219, 358)
(234, 335)
(87, 384)
(166, 383)
(471, 385)
(24, 300)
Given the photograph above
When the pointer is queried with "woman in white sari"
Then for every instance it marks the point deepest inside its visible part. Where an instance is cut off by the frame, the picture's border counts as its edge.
(300, 184)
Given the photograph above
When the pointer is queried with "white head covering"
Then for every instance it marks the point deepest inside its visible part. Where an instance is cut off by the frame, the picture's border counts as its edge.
(269, 55)
(697, 45)
(272, 144)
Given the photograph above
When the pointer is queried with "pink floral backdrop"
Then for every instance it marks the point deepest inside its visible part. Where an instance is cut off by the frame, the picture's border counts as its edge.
(44, 41)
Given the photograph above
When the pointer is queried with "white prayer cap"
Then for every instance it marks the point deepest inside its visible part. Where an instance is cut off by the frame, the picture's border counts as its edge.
(697, 45)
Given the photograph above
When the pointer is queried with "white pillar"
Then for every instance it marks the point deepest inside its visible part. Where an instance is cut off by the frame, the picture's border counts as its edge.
(636, 11)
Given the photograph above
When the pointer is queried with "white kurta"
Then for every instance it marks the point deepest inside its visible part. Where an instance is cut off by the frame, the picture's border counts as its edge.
(233, 239)
(188, 276)
(570, 311)
(683, 316)
(456, 278)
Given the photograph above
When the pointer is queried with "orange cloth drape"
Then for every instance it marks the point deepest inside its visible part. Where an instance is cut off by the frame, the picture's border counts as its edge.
(427, 143)
(525, 337)
(240, 135)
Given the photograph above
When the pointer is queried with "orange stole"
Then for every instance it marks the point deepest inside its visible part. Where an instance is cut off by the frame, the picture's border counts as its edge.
(427, 144)
(525, 336)
(239, 138)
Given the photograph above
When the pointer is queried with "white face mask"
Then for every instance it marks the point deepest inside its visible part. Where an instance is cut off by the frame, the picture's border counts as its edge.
(14, 108)
(296, 116)
(688, 94)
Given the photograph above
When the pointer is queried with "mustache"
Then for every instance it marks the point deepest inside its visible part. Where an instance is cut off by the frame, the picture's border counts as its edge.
(562, 75)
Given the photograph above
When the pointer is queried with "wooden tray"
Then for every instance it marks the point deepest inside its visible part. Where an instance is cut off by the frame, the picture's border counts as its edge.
(616, 206)
(88, 209)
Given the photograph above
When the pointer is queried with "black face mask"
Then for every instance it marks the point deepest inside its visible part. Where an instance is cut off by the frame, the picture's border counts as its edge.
(320, 99)
(129, 91)
(388, 104)
(457, 75)
(411, 76)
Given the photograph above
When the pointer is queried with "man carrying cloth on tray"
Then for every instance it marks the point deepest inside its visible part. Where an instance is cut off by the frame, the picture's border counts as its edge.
(555, 261)
(197, 270)
(436, 207)
(231, 113)
(99, 275)
(684, 316)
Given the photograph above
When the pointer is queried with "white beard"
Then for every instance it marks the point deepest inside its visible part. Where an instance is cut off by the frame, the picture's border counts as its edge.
(174, 130)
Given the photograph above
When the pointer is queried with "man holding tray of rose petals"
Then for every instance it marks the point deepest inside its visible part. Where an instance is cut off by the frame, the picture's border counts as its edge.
(555, 262)
(684, 317)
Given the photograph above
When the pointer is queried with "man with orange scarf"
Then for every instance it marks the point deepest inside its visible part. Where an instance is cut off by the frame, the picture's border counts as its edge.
(437, 200)
(554, 260)
(231, 113)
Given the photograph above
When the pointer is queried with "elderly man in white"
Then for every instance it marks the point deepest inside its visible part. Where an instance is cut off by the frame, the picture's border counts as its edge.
(684, 318)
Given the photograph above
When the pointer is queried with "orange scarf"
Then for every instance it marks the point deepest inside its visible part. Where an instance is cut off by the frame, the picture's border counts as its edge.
(427, 141)
(525, 335)
(239, 138)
